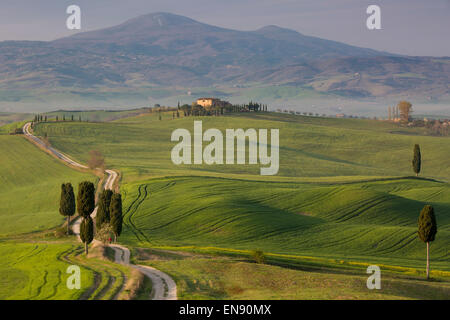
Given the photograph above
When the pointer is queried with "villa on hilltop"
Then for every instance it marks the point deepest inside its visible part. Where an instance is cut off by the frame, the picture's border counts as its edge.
(207, 102)
(211, 102)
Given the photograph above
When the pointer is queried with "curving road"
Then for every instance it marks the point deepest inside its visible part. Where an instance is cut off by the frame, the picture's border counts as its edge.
(163, 286)
(58, 154)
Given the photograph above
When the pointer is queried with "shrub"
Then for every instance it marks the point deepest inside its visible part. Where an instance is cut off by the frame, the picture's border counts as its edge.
(258, 256)
(104, 233)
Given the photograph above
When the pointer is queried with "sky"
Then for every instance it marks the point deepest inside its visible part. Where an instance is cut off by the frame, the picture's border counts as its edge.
(411, 27)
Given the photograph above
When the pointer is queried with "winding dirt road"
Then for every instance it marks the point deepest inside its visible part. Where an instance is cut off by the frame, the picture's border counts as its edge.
(163, 286)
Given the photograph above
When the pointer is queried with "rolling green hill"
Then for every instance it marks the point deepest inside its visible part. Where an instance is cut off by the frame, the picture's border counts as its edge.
(361, 221)
(38, 272)
(342, 191)
(309, 147)
(30, 182)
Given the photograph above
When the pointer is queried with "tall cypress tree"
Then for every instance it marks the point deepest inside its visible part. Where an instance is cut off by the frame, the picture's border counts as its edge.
(86, 199)
(115, 211)
(87, 232)
(417, 160)
(85, 206)
(103, 215)
(427, 230)
(67, 202)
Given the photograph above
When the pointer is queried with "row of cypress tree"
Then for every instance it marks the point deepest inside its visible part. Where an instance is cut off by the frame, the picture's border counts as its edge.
(109, 210)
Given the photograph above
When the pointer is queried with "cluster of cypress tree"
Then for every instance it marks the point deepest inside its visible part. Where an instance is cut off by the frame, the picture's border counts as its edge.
(109, 210)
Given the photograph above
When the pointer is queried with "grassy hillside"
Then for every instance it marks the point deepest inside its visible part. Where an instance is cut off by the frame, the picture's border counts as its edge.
(30, 182)
(336, 194)
(94, 115)
(37, 271)
(362, 221)
(309, 147)
(211, 277)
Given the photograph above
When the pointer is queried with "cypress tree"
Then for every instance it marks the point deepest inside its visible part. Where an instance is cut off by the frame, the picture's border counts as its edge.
(103, 215)
(86, 199)
(67, 202)
(427, 230)
(417, 160)
(115, 211)
(87, 232)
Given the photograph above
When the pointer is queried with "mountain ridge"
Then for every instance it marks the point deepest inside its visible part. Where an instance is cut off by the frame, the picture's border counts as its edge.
(163, 49)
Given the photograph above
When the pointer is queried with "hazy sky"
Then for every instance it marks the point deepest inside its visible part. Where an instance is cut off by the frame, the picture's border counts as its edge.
(413, 27)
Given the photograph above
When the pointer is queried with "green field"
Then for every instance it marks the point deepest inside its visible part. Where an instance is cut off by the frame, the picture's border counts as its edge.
(362, 221)
(38, 271)
(309, 147)
(30, 183)
(343, 190)
(344, 198)
(217, 277)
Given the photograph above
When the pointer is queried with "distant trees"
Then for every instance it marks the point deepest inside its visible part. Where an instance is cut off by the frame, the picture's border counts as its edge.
(67, 202)
(405, 109)
(104, 202)
(417, 160)
(115, 211)
(427, 230)
(85, 206)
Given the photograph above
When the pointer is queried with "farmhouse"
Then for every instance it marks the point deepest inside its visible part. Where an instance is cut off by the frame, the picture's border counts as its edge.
(207, 102)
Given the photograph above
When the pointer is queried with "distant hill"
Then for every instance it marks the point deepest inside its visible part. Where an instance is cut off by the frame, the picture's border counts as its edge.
(164, 49)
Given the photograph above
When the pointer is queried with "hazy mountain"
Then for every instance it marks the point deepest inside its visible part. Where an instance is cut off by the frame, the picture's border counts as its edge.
(165, 49)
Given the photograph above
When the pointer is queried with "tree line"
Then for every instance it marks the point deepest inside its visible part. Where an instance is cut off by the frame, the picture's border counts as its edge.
(109, 213)
(44, 118)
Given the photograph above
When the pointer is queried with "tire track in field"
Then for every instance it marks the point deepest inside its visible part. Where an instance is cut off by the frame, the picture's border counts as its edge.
(30, 254)
(132, 209)
(362, 207)
(39, 288)
(54, 287)
(97, 276)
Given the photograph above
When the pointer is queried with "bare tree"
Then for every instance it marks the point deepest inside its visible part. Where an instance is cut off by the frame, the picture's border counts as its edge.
(96, 160)
(405, 108)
